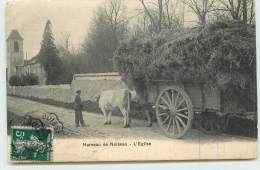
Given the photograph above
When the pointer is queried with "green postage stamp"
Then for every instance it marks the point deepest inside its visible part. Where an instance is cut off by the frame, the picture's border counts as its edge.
(31, 144)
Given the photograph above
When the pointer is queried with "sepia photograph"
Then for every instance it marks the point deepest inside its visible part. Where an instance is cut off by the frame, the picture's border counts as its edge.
(130, 80)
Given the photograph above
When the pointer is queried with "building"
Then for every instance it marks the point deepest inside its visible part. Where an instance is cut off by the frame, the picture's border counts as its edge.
(16, 64)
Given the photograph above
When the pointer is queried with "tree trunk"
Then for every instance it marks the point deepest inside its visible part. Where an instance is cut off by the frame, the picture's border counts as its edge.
(160, 15)
(252, 12)
(203, 19)
(245, 11)
(148, 13)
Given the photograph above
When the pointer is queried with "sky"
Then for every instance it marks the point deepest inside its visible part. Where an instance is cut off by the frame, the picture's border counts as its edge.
(71, 17)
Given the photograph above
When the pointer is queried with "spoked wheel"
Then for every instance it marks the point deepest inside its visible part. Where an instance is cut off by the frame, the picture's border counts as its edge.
(174, 111)
(210, 123)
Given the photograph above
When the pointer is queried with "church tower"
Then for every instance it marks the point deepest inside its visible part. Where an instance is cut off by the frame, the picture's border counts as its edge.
(14, 51)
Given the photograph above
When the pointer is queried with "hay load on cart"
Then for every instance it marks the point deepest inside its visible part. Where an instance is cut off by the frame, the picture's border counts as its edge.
(207, 71)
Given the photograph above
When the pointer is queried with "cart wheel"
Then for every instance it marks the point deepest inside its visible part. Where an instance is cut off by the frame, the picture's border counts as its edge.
(174, 111)
(210, 123)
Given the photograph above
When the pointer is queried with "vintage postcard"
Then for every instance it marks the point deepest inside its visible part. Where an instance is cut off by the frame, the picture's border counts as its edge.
(130, 80)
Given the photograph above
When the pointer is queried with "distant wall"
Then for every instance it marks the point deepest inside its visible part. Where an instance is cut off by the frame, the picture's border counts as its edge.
(91, 85)
(61, 93)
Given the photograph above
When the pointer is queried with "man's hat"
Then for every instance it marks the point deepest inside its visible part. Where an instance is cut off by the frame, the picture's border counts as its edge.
(78, 91)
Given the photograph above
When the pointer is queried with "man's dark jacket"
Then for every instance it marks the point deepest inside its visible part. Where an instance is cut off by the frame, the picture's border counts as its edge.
(77, 103)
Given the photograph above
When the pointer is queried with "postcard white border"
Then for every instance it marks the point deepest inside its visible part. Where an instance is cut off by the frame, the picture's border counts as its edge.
(212, 165)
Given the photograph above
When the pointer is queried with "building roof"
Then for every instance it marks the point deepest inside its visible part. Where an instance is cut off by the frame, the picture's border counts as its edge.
(33, 60)
(15, 35)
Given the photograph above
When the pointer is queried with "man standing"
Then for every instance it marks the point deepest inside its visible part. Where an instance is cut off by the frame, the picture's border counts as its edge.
(78, 110)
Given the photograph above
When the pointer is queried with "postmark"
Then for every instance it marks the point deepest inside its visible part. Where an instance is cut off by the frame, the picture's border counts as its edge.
(52, 120)
(39, 119)
(31, 144)
(27, 121)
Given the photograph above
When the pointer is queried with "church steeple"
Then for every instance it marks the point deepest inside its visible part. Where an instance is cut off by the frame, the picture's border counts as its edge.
(14, 52)
(14, 35)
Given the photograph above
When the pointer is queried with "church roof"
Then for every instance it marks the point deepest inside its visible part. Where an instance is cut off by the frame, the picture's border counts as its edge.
(31, 61)
(15, 35)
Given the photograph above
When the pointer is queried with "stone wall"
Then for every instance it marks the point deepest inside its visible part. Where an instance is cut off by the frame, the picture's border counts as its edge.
(91, 85)
(61, 93)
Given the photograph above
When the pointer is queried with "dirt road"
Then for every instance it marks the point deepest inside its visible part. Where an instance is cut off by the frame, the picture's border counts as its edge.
(194, 145)
(96, 128)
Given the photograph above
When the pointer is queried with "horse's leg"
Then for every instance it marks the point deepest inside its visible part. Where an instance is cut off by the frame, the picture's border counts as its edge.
(128, 110)
(123, 111)
(109, 117)
(148, 116)
(128, 119)
(105, 115)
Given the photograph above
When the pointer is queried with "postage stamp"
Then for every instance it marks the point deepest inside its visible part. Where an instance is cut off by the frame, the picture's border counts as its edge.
(31, 144)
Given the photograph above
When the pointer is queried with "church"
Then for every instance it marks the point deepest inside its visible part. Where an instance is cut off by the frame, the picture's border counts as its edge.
(16, 64)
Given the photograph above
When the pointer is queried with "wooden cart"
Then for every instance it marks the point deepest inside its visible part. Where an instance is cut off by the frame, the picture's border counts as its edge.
(176, 106)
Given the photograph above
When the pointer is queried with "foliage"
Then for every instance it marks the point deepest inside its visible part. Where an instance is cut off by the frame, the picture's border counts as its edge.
(30, 79)
(48, 56)
(14, 80)
(24, 80)
(221, 54)
(103, 38)
(71, 64)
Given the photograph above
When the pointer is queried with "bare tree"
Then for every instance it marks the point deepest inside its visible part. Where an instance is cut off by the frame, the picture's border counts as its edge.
(108, 28)
(243, 10)
(161, 14)
(148, 13)
(67, 40)
(114, 10)
(233, 7)
(173, 17)
(201, 8)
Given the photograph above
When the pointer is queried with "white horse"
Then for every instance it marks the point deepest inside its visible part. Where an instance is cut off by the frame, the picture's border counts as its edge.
(109, 100)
